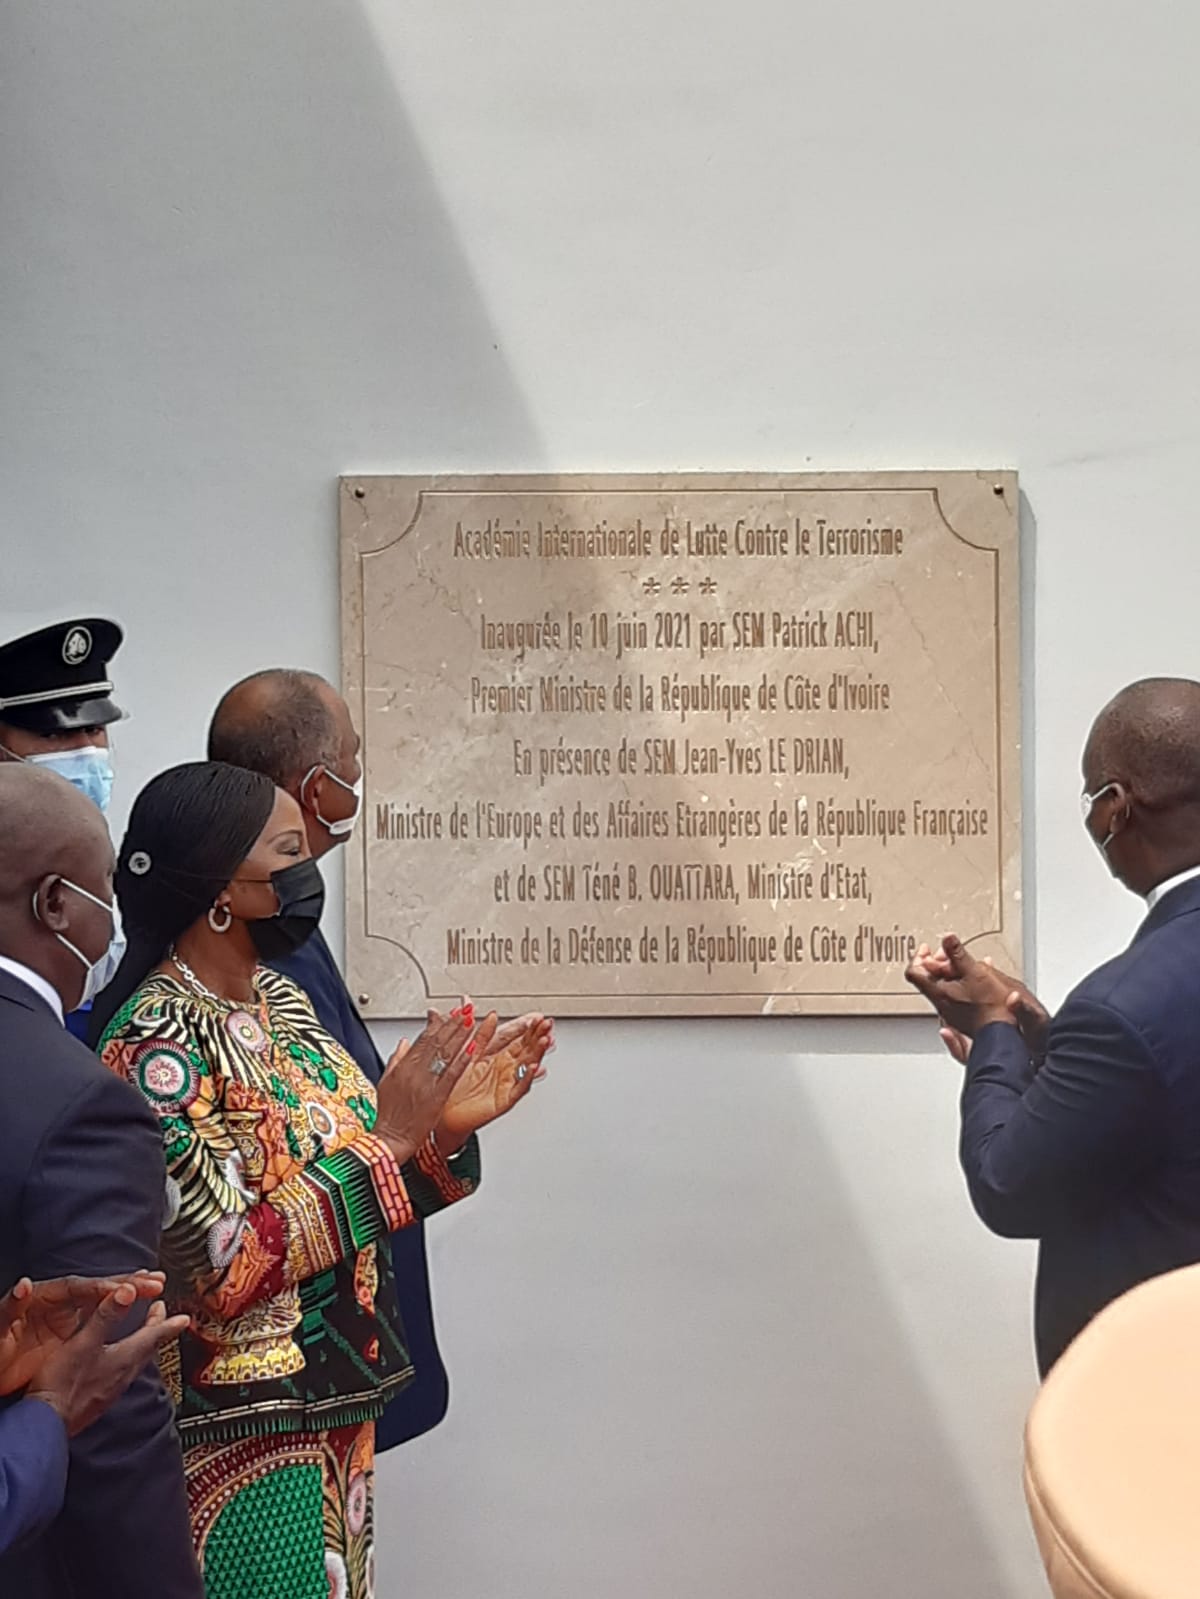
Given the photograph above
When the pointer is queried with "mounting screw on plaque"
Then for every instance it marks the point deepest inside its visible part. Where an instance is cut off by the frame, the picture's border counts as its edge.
(360, 493)
(997, 488)
(364, 999)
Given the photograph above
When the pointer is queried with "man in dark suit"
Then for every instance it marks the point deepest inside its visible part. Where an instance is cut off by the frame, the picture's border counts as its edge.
(81, 1192)
(296, 728)
(1083, 1130)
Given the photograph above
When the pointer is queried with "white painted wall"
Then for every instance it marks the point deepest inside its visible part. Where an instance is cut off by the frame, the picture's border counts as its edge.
(721, 1322)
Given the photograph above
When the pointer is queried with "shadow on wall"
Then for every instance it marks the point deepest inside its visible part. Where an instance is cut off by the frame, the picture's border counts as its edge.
(227, 278)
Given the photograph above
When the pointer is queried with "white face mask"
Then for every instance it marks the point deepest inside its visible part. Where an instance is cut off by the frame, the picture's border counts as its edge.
(346, 826)
(106, 966)
(97, 971)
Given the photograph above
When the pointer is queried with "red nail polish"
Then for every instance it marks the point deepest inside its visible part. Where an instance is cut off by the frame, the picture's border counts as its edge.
(471, 1047)
(457, 1011)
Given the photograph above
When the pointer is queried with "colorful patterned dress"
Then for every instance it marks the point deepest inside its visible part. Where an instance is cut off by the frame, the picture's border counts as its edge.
(277, 1193)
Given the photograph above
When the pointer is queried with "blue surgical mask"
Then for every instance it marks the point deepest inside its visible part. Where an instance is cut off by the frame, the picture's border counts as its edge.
(88, 769)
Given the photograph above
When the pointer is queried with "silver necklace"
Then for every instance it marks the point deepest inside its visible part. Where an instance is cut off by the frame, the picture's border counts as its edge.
(193, 982)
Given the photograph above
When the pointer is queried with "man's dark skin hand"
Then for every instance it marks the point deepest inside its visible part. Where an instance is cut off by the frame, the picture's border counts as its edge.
(968, 994)
(84, 1375)
(36, 1319)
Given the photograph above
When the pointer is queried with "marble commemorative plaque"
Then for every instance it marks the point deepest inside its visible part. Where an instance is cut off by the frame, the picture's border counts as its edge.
(684, 744)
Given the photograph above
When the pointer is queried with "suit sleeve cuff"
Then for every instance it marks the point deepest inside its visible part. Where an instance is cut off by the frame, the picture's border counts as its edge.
(49, 1425)
(999, 1053)
(50, 1432)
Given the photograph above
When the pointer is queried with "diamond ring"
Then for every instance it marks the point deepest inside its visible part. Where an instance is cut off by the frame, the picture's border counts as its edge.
(437, 1065)
(522, 1073)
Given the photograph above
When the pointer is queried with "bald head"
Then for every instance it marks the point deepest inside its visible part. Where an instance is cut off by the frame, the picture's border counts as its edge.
(294, 728)
(281, 723)
(1148, 738)
(53, 843)
(47, 826)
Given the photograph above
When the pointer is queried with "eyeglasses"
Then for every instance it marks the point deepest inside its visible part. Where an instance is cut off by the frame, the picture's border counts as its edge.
(1086, 801)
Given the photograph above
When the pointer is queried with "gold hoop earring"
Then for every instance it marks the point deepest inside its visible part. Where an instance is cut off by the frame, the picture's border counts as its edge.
(226, 924)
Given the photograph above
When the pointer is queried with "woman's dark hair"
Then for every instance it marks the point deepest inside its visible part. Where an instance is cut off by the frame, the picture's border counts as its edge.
(189, 831)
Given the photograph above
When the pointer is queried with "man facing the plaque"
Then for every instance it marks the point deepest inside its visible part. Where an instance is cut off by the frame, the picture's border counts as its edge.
(296, 728)
(1082, 1130)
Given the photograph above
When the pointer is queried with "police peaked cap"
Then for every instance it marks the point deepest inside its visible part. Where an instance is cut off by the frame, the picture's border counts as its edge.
(56, 680)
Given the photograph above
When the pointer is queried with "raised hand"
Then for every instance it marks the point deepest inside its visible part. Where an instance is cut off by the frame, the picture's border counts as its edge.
(497, 1080)
(966, 993)
(508, 1032)
(37, 1319)
(420, 1077)
(84, 1375)
(950, 977)
(441, 1038)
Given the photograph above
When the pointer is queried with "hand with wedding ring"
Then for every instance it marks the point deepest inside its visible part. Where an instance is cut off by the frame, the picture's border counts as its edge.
(496, 1080)
(508, 1032)
(421, 1075)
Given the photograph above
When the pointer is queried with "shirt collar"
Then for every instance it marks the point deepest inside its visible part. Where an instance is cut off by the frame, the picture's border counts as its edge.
(37, 982)
(1163, 889)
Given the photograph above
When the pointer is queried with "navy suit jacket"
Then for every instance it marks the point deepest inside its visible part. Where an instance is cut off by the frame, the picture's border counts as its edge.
(33, 1470)
(81, 1190)
(422, 1404)
(1097, 1153)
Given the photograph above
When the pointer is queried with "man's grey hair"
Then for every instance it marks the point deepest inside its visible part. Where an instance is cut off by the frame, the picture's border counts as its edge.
(276, 722)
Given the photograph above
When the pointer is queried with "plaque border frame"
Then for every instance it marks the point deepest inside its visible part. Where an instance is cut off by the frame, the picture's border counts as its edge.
(998, 488)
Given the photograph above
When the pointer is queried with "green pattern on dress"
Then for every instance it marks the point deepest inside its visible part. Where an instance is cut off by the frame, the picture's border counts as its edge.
(269, 1540)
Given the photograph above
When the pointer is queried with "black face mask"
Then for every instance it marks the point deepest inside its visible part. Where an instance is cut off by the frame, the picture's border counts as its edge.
(300, 890)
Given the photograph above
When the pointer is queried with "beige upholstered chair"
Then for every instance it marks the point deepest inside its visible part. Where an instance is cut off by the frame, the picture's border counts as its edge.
(1112, 1451)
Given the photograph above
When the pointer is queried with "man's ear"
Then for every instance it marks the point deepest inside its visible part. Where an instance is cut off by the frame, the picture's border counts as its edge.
(308, 795)
(50, 903)
(1122, 811)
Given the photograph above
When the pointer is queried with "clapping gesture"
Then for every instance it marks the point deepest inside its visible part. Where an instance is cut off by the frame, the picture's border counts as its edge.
(37, 1319)
(497, 1080)
(456, 1077)
(53, 1341)
(968, 994)
(421, 1076)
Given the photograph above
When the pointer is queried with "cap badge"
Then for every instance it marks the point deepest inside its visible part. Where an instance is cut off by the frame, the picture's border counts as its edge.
(77, 646)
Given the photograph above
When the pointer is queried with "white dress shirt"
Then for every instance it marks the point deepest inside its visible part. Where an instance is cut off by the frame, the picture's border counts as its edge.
(37, 982)
(1163, 889)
